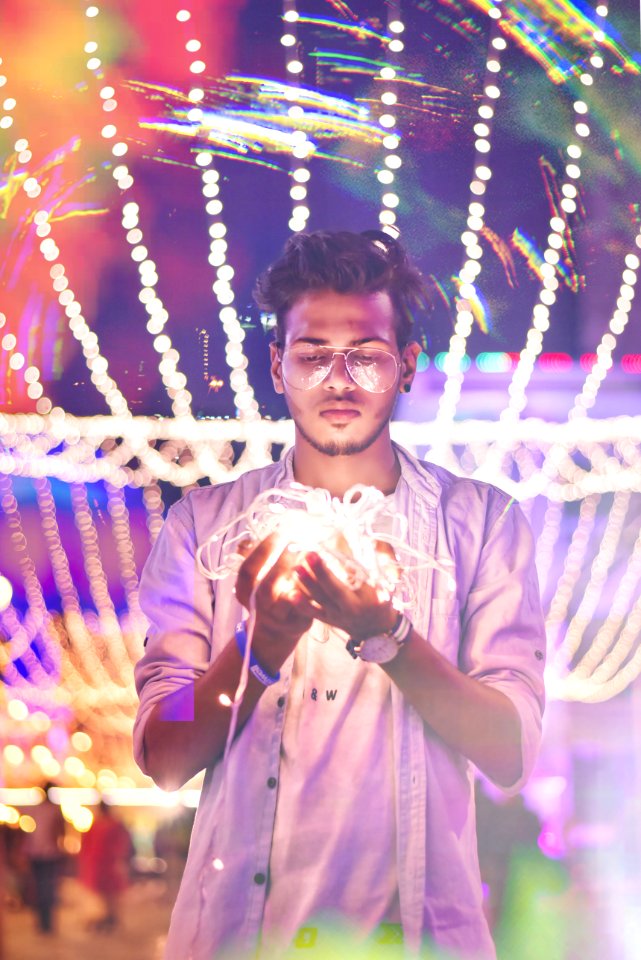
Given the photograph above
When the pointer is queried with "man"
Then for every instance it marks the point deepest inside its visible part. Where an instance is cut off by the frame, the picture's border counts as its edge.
(45, 852)
(347, 796)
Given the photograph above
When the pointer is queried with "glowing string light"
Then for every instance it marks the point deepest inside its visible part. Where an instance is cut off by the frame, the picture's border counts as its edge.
(83, 656)
(174, 381)
(557, 458)
(23, 453)
(467, 294)
(30, 374)
(387, 119)
(119, 513)
(586, 612)
(547, 295)
(345, 531)
(572, 568)
(602, 671)
(302, 146)
(66, 297)
(247, 409)
(37, 622)
(108, 625)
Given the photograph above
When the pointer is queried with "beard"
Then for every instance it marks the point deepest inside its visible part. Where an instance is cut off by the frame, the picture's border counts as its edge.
(343, 448)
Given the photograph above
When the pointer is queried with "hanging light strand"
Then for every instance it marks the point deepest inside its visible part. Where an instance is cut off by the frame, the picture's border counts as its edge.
(50, 252)
(174, 381)
(586, 612)
(302, 147)
(555, 242)
(387, 119)
(37, 621)
(247, 409)
(467, 295)
(547, 295)
(31, 374)
(82, 669)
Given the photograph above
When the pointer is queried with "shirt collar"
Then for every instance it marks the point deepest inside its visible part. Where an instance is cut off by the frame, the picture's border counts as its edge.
(414, 473)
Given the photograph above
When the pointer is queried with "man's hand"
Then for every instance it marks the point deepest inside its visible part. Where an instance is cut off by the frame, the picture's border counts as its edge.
(361, 613)
(267, 580)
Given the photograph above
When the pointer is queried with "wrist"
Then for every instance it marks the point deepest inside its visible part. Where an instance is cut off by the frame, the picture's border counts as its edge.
(384, 622)
(382, 647)
(264, 673)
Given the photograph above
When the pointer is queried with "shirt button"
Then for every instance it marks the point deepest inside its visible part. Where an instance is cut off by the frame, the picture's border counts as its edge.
(281, 701)
(259, 878)
(271, 783)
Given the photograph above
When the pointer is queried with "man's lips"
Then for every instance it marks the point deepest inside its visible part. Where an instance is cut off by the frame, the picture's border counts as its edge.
(340, 414)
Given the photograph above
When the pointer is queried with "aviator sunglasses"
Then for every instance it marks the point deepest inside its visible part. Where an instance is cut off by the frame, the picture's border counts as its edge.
(306, 365)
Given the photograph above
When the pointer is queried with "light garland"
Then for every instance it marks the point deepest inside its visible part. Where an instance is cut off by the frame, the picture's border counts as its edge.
(547, 294)
(602, 671)
(587, 609)
(547, 297)
(88, 455)
(77, 324)
(8, 106)
(16, 361)
(121, 526)
(302, 147)
(345, 530)
(175, 382)
(37, 621)
(387, 120)
(244, 400)
(558, 461)
(572, 568)
(467, 294)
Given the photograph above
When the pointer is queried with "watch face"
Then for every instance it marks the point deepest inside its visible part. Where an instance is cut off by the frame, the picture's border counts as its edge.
(379, 649)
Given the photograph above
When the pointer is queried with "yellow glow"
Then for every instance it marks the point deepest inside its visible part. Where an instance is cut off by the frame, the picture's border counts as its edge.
(17, 710)
(13, 754)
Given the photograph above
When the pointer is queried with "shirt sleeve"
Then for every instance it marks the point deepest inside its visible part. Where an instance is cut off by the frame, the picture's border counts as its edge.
(502, 622)
(178, 601)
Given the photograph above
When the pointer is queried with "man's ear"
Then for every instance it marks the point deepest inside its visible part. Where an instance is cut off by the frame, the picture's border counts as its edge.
(275, 367)
(409, 358)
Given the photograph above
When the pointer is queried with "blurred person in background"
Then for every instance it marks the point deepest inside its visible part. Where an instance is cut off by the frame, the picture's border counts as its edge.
(104, 864)
(44, 851)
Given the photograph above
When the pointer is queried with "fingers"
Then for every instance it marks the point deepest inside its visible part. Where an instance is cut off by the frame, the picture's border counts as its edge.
(256, 566)
(245, 547)
(268, 573)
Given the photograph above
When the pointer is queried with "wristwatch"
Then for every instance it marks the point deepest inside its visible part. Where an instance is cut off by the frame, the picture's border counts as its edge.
(384, 646)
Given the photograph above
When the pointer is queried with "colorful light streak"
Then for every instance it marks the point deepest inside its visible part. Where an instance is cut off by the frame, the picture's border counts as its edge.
(357, 30)
(255, 130)
(551, 31)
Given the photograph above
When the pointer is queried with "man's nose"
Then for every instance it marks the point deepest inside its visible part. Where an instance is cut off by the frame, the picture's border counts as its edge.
(339, 377)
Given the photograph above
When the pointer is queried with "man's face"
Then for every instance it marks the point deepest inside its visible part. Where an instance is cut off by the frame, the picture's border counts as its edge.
(338, 417)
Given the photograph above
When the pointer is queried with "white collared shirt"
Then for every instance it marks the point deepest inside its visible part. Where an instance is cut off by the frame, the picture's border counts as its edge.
(491, 627)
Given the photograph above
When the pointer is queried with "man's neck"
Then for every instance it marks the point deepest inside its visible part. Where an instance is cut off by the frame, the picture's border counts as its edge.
(377, 466)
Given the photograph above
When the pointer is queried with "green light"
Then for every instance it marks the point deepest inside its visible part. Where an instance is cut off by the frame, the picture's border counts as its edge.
(440, 358)
(422, 362)
(493, 362)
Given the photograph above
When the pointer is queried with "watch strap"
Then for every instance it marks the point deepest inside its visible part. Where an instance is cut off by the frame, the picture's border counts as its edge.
(399, 632)
(254, 666)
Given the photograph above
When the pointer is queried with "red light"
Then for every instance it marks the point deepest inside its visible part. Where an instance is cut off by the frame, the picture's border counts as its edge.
(631, 363)
(555, 362)
(588, 360)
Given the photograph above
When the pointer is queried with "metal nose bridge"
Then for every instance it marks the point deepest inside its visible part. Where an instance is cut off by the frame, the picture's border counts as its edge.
(346, 370)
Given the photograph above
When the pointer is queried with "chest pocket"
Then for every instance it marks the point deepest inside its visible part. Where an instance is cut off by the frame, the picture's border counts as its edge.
(445, 626)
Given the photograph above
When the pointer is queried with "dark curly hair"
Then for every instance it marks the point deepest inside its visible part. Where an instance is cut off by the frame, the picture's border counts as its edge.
(345, 262)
